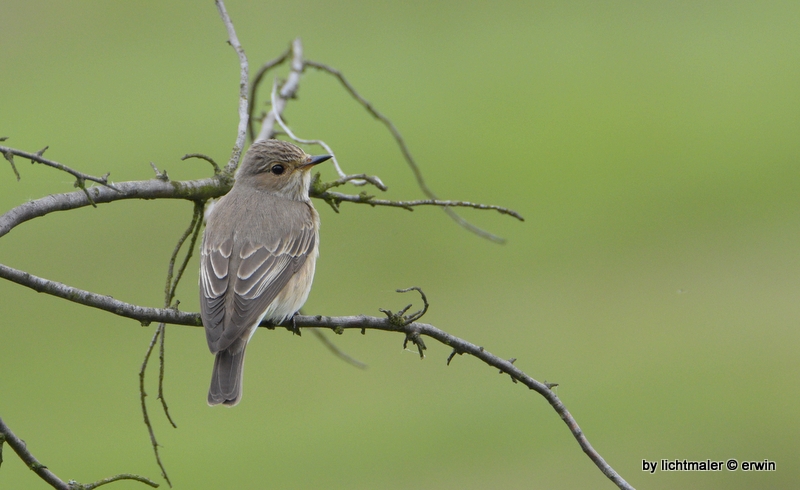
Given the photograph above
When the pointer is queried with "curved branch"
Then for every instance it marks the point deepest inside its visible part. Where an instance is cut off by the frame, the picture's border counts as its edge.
(412, 330)
(194, 190)
(38, 158)
(403, 149)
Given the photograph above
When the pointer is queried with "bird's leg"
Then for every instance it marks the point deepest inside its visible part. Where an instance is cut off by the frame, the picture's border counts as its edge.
(294, 328)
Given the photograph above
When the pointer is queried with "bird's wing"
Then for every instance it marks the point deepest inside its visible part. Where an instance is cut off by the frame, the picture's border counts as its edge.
(231, 304)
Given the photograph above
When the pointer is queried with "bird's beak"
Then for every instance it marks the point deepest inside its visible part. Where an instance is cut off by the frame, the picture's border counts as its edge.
(315, 160)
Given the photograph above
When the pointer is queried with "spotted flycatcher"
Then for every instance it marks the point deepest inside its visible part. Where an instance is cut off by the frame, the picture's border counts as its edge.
(257, 259)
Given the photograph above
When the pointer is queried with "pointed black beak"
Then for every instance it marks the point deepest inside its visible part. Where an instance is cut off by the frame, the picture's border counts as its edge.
(317, 159)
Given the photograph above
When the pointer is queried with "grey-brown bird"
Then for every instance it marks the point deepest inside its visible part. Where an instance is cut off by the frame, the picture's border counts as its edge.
(258, 255)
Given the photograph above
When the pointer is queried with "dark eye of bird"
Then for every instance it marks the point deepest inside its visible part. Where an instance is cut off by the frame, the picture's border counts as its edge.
(277, 169)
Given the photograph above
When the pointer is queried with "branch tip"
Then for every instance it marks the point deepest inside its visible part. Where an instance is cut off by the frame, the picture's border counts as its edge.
(203, 157)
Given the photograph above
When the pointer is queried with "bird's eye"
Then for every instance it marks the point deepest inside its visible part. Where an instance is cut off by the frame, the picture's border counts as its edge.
(277, 169)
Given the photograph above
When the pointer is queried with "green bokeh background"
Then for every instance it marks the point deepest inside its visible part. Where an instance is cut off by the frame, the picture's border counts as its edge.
(652, 148)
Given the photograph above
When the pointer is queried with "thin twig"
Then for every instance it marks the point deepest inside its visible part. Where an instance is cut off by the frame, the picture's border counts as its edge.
(403, 149)
(38, 158)
(194, 227)
(243, 82)
(321, 143)
(372, 179)
(255, 84)
(111, 479)
(203, 157)
(169, 294)
(334, 198)
(336, 350)
(142, 396)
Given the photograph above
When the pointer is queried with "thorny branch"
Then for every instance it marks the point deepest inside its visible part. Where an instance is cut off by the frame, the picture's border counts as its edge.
(394, 322)
(19, 447)
(80, 177)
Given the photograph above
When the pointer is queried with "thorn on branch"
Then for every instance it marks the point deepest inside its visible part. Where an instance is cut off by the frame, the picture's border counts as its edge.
(80, 182)
(512, 361)
(550, 386)
(162, 176)
(453, 354)
(10, 157)
(416, 340)
(41, 152)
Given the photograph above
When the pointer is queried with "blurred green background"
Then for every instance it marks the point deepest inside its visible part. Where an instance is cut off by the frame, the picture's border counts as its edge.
(652, 148)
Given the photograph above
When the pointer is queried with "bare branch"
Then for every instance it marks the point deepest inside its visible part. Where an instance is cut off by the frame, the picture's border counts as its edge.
(194, 231)
(142, 314)
(287, 91)
(38, 158)
(243, 81)
(334, 198)
(111, 479)
(461, 346)
(403, 148)
(19, 447)
(255, 84)
(320, 187)
(202, 189)
(412, 331)
(142, 395)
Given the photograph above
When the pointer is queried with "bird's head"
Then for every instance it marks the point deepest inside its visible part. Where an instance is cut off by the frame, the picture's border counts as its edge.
(279, 168)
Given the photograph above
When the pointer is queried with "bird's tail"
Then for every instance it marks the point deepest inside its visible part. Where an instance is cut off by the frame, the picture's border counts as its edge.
(226, 378)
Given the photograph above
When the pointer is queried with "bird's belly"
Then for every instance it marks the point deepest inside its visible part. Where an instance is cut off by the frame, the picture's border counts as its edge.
(293, 296)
